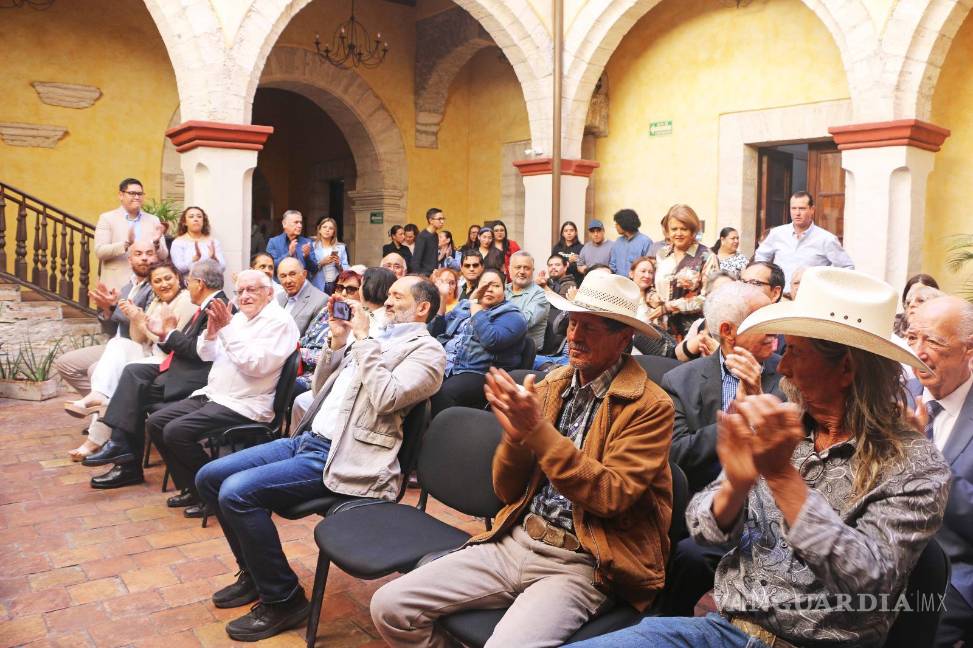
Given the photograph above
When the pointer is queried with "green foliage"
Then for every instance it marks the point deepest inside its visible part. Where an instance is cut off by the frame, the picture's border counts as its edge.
(30, 363)
(165, 209)
(961, 253)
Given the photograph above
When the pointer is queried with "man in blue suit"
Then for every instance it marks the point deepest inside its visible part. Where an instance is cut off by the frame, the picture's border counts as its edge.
(941, 334)
(290, 243)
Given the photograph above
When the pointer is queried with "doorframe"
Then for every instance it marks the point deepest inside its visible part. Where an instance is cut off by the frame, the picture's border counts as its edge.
(743, 133)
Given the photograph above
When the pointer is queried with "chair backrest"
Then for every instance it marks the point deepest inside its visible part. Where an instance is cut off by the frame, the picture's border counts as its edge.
(519, 375)
(456, 460)
(680, 500)
(528, 354)
(414, 427)
(553, 337)
(929, 579)
(656, 366)
(284, 393)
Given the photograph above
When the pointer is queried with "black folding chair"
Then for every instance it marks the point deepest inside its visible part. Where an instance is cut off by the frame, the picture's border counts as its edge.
(656, 366)
(519, 375)
(369, 542)
(251, 434)
(413, 429)
(916, 627)
(528, 354)
(474, 627)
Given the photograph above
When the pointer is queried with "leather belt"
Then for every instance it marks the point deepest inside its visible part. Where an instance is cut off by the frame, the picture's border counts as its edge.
(761, 633)
(543, 531)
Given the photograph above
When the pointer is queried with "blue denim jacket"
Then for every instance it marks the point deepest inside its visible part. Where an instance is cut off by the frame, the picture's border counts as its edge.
(493, 337)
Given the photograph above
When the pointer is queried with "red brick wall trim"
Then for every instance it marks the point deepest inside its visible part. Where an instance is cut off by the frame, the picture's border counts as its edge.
(544, 166)
(901, 132)
(192, 134)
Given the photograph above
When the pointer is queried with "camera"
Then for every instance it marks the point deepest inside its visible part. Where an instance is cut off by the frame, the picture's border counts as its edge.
(341, 310)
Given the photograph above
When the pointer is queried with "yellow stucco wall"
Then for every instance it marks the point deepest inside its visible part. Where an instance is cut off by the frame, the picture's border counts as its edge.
(121, 135)
(947, 198)
(685, 61)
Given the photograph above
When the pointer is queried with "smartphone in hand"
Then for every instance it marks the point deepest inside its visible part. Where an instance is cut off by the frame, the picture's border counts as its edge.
(341, 310)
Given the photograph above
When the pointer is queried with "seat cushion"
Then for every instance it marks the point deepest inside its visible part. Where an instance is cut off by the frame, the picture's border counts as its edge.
(474, 627)
(372, 541)
(319, 505)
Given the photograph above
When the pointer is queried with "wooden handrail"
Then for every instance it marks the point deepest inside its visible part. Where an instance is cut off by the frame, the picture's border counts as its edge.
(61, 243)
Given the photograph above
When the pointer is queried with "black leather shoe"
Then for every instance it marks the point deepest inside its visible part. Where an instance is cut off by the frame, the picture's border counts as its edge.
(111, 453)
(118, 476)
(182, 500)
(194, 511)
(241, 592)
(265, 620)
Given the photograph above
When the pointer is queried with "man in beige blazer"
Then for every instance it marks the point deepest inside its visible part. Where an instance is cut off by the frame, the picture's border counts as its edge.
(119, 228)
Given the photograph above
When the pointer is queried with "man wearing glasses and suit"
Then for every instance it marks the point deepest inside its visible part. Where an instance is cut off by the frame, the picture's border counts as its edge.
(119, 228)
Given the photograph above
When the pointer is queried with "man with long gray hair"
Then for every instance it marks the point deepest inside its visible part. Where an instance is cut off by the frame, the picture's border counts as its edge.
(829, 500)
(143, 385)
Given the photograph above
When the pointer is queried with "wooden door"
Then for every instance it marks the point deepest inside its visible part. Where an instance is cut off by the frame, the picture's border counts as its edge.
(773, 204)
(826, 183)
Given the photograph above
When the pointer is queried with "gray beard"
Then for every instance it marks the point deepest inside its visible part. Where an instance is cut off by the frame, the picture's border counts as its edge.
(793, 394)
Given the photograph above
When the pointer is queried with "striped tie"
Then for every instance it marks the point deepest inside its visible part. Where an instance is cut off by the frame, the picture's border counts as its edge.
(933, 409)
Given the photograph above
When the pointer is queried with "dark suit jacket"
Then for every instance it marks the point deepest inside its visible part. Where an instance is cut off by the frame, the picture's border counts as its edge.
(187, 372)
(118, 321)
(956, 534)
(426, 256)
(696, 388)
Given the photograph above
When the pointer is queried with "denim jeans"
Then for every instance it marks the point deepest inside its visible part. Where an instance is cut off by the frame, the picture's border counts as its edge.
(710, 631)
(245, 487)
(558, 360)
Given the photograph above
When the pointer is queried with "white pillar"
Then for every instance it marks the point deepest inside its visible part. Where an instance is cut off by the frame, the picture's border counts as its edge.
(538, 234)
(217, 162)
(886, 169)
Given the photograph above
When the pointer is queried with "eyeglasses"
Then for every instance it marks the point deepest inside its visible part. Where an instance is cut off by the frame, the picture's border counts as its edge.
(756, 282)
(471, 266)
(348, 290)
(251, 290)
(134, 194)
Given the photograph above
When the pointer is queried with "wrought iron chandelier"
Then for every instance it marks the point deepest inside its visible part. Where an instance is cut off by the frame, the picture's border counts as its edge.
(352, 47)
(736, 3)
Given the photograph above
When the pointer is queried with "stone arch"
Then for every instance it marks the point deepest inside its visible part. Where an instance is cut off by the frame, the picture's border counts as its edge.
(601, 24)
(916, 43)
(366, 124)
(445, 42)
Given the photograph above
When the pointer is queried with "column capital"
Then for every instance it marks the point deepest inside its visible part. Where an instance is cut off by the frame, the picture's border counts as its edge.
(545, 166)
(900, 132)
(193, 134)
(376, 198)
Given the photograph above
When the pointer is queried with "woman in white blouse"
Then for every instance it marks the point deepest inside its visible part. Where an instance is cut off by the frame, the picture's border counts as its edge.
(727, 250)
(329, 254)
(193, 241)
(169, 297)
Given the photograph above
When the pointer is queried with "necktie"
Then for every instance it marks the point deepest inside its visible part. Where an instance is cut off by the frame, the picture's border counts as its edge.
(933, 409)
(164, 365)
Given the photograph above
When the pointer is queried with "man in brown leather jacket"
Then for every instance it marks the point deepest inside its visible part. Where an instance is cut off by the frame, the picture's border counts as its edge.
(583, 471)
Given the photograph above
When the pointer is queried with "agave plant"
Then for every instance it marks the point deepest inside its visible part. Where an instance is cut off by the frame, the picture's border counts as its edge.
(164, 209)
(34, 364)
(960, 253)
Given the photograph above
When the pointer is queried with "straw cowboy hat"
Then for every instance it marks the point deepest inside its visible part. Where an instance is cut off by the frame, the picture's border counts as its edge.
(606, 295)
(838, 305)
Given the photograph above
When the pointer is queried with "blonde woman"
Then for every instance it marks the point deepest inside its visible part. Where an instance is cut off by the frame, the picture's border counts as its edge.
(680, 269)
(328, 254)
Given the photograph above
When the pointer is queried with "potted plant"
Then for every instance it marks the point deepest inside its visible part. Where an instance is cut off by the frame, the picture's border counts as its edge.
(27, 376)
(166, 210)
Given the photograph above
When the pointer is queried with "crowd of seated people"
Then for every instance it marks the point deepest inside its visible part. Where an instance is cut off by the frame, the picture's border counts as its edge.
(822, 452)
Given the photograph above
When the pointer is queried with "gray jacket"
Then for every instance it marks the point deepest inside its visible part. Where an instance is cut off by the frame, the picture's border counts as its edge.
(118, 321)
(310, 301)
(367, 431)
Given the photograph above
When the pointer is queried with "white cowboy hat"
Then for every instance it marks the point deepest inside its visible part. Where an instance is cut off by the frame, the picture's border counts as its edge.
(606, 295)
(838, 305)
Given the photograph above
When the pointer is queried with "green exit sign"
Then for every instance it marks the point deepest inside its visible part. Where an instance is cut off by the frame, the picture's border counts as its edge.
(376, 217)
(660, 128)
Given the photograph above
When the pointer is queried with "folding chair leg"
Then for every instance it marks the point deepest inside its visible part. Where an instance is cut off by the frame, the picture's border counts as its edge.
(165, 480)
(317, 598)
(205, 516)
(423, 498)
(148, 449)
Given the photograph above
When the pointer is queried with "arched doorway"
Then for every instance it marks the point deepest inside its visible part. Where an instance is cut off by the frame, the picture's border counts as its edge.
(307, 166)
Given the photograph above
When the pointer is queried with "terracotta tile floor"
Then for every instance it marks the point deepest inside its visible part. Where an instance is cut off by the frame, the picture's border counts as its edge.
(80, 567)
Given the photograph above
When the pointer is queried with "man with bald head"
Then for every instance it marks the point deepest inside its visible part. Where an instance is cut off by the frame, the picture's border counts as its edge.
(301, 299)
(75, 367)
(360, 377)
(396, 263)
(941, 333)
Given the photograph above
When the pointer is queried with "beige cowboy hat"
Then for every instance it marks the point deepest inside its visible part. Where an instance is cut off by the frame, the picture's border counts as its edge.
(606, 295)
(838, 305)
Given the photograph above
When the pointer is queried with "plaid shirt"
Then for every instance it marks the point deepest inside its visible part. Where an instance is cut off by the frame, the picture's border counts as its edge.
(579, 405)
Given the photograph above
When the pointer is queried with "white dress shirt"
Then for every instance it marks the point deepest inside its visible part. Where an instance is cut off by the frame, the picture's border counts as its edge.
(328, 413)
(943, 426)
(815, 247)
(247, 357)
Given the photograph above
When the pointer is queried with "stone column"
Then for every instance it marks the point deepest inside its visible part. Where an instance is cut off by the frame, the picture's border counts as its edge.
(538, 235)
(218, 161)
(375, 212)
(886, 167)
